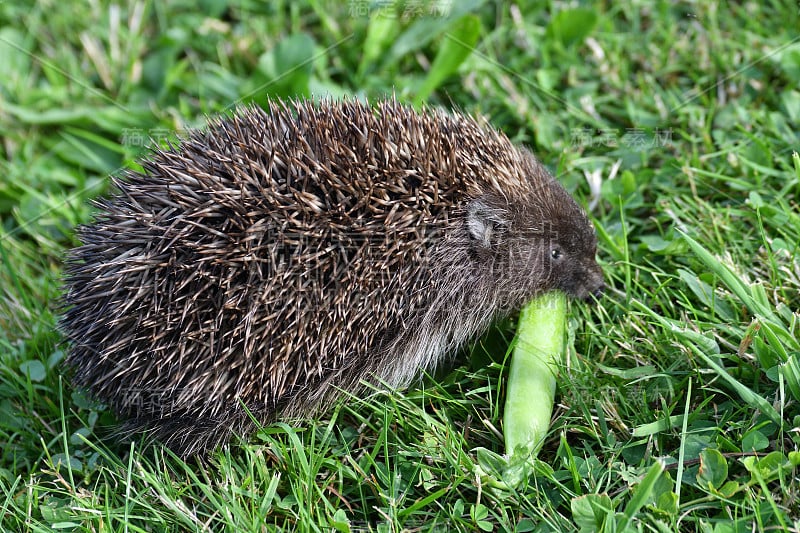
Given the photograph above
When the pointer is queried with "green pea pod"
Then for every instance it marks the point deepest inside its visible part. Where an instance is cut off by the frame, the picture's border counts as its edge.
(537, 356)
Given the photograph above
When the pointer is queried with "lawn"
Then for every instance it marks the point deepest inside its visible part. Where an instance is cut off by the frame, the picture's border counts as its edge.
(674, 123)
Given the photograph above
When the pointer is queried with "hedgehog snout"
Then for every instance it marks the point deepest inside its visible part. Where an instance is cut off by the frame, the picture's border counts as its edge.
(594, 284)
(584, 281)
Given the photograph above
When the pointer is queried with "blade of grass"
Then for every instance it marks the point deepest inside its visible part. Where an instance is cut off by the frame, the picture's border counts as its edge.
(694, 341)
(729, 278)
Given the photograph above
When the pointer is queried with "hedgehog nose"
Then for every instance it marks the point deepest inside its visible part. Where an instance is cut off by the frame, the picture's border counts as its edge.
(594, 294)
(598, 292)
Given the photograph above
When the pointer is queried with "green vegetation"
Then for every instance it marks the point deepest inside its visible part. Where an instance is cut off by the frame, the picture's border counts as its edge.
(675, 122)
(539, 352)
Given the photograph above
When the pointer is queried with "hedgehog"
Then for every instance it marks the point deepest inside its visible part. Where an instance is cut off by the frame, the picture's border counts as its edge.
(262, 267)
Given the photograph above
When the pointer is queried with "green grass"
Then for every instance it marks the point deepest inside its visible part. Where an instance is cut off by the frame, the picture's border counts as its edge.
(678, 410)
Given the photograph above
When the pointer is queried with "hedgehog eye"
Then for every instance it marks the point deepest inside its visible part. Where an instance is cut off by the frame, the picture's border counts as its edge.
(556, 254)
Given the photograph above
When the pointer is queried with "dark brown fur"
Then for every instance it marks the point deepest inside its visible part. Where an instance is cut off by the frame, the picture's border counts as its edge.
(285, 254)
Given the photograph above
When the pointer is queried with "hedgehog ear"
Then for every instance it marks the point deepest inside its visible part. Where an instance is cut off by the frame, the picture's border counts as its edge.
(485, 223)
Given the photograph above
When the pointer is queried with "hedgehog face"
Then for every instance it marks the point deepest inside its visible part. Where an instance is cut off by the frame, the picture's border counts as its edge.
(527, 252)
(571, 261)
